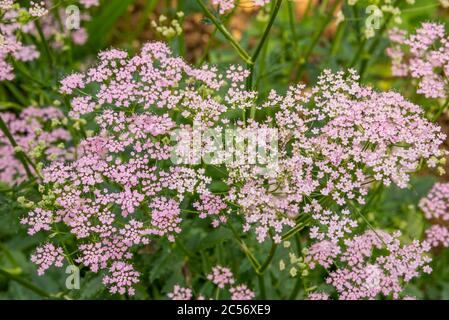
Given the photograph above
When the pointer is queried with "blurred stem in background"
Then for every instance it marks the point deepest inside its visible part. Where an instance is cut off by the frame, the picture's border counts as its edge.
(21, 155)
(14, 274)
(45, 44)
(149, 7)
(291, 19)
(366, 56)
(25, 283)
(249, 83)
(250, 60)
(234, 43)
(274, 11)
(440, 111)
(299, 66)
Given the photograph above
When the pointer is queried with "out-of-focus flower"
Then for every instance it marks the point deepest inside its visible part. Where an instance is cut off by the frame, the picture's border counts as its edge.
(424, 56)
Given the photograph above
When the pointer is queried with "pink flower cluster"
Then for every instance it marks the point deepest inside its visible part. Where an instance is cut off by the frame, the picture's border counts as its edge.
(121, 278)
(324, 253)
(224, 5)
(90, 3)
(437, 235)
(211, 205)
(32, 128)
(180, 293)
(11, 45)
(373, 264)
(318, 296)
(221, 277)
(13, 27)
(435, 206)
(423, 56)
(241, 292)
(46, 256)
(123, 189)
(364, 136)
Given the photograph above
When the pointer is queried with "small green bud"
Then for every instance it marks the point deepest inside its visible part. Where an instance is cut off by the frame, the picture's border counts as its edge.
(55, 123)
(281, 265)
(293, 272)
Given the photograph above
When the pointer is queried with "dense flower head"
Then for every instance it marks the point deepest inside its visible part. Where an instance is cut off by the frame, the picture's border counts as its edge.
(124, 189)
(11, 45)
(318, 296)
(34, 133)
(437, 235)
(241, 292)
(224, 5)
(6, 4)
(121, 278)
(223, 278)
(211, 205)
(364, 136)
(435, 204)
(324, 253)
(424, 56)
(165, 217)
(38, 9)
(14, 25)
(180, 293)
(376, 263)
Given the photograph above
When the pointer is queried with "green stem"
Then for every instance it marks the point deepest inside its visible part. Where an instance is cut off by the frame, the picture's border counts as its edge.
(252, 259)
(249, 81)
(44, 42)
(338, 36)
(355, 15)
(273, 16)
(296, 229)
(373, 45)
(269, 259)
(302, 62)
(21, 156)
(296, 289)
(358, 53)
(16, 93)
(263, 294)
(19, 66)
(25, 283)
(262, 67)
(9, 255)
(440, 111)
(242, 52)
(291, 18)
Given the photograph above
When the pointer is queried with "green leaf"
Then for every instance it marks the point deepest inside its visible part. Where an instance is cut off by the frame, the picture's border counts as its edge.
(7, 105)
